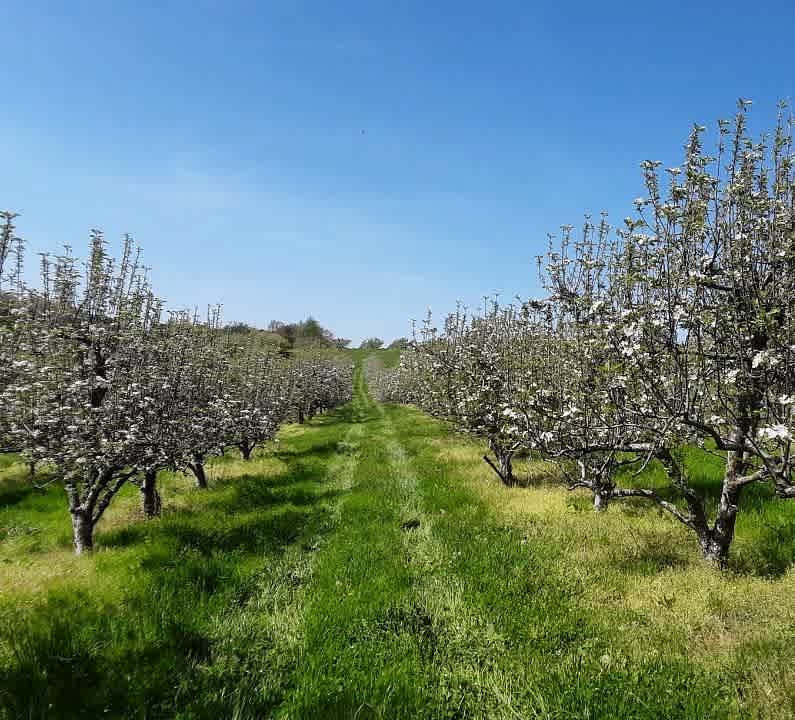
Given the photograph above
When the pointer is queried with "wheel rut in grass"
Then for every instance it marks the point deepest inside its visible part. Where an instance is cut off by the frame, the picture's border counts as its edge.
(377, 612)
(358, 573)
(425, 604)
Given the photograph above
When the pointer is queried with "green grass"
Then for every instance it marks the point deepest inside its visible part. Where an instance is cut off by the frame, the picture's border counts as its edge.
(388, 357)
(765, 542)
(370, 566)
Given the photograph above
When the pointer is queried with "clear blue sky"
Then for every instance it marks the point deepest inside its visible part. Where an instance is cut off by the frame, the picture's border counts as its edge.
(358, 160)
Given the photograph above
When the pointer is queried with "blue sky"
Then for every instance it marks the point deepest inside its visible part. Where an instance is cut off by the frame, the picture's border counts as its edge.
(358, 160)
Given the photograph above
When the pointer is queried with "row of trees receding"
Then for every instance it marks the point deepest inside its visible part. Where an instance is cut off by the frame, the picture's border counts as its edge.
(676, 330)
(101, 386)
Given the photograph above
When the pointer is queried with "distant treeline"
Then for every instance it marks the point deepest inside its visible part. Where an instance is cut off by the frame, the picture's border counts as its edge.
(290, 335)
(309, 333)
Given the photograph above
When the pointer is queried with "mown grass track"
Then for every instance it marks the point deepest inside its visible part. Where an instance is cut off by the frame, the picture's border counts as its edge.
(426, 603)
(368, 566)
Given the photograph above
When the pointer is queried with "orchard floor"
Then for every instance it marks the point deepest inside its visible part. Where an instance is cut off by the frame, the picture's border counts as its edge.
(369, 566)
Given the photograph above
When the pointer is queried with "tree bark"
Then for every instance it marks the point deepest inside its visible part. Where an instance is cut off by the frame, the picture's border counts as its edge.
(88, 506)
(505, 469)
(82, 531)
(601, 499)
(716, 541)
(301, 416)
(713, 551)
(245, 450)
(149, 495)
(197, 468)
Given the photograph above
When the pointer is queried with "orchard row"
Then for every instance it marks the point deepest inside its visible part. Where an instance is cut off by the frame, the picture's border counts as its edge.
(100, 386)
(676, 330)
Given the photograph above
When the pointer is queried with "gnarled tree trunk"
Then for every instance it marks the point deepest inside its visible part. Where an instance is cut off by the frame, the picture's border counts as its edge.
(150, 497)
(89, 500)
(505, 469)
(82, 531)
(716, 541)
(197, 468)
(601, 498)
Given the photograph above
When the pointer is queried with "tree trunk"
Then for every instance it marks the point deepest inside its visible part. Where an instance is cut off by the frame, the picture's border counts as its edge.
(32, 469)
(713, 551)
(505, 469)
(82, 531)
(149, 495)
(602, 498)
(245, 450)
(300, 416)
(716, 542)
(197, 468)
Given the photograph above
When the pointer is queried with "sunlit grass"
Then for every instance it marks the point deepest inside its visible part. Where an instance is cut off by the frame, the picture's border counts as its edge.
(642, 567)
(370, 564)
(179, 612)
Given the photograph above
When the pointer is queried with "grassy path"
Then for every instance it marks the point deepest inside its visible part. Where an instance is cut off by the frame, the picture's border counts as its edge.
(424, 603)
(356, 570)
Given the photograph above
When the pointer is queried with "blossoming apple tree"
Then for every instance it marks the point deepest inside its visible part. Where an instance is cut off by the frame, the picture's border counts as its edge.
(678, 330)
(103, 388)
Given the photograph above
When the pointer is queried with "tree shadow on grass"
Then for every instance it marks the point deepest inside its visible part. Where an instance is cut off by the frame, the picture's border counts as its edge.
(349, 414)
(254, 531)
(248, 494)
(317, 452)
(649, 555)
(764, 544)
(12, 493)
(156, 649)
(19, 486)
(254, 513)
